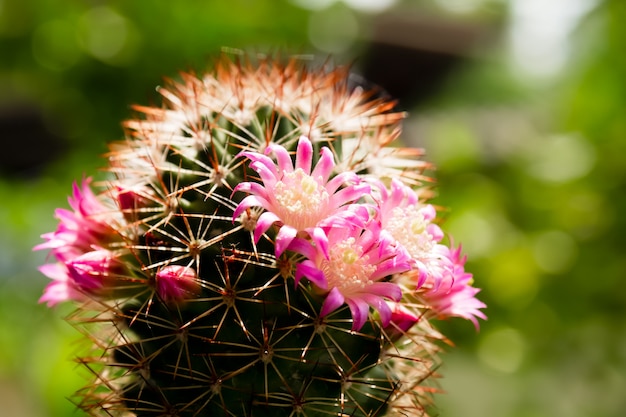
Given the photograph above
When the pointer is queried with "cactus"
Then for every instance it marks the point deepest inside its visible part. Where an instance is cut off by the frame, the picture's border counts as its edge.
(260, 248)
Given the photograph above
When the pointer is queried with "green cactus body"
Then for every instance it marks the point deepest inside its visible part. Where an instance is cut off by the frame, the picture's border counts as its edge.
(194, 315)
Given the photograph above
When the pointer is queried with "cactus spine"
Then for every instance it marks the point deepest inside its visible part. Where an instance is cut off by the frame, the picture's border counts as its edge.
(259, 250)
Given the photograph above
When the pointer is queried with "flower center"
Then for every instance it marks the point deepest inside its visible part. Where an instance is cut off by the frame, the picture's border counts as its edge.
(302, 200)
(409, 227)
(347, 268)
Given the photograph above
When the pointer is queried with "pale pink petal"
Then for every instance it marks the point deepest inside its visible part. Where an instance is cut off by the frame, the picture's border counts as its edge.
(282, 157)
(57, 292)
(342, 179)
(268, 176)
(56, 271)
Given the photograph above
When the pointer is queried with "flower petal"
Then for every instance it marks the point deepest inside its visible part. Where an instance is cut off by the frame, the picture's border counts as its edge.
(307, 269)
(324, 166)
(263, 223)
(304, 155)
(246, 203)
(359, 310)
(333, 301)
(282, 157)
(285, 236)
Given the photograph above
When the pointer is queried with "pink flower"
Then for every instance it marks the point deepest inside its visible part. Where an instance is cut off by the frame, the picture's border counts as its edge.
(409, 222)
(78, 246)
(61, 288)
(80, 230)
(455, 297)
(94, 273)
(354, 270)
(175, 283)
(298, 199)
(90, 270)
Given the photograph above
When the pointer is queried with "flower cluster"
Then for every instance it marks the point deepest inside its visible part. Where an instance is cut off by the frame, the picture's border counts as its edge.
(359, 239)
(89, 249)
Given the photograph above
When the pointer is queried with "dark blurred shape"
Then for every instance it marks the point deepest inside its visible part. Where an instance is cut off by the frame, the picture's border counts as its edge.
(410, 56)
(27, 145)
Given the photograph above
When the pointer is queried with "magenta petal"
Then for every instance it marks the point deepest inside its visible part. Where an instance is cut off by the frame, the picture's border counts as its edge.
(321, 240)
(398, 193)
(68, 218)
(250, 188)
(359, 310)
(264, 222)
(391, 266)
(348, 194)
(308, 270)
(303, 247)
(249, 201)
(285, 236)
(333, 301)
(176, 282)
(341, 179)
(403, 318)
(304, 155)
(378, 304)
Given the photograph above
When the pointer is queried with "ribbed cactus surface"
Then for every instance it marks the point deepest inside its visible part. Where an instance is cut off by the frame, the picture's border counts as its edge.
(260, 248)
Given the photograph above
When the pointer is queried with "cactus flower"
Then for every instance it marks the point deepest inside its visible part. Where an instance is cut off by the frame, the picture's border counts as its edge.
(355, 270)
(410, 224)
(455, 297)
(297, 198)
(81, 229)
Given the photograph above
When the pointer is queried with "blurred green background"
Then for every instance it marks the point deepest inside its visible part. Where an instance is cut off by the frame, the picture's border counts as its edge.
(520, 103)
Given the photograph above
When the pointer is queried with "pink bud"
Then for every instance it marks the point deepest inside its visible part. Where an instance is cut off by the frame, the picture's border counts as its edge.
(91, 271)
(130, 201)
(402, 319)
(175, 283)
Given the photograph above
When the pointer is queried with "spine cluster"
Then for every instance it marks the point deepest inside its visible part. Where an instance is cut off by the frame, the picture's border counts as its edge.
(261, 248)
